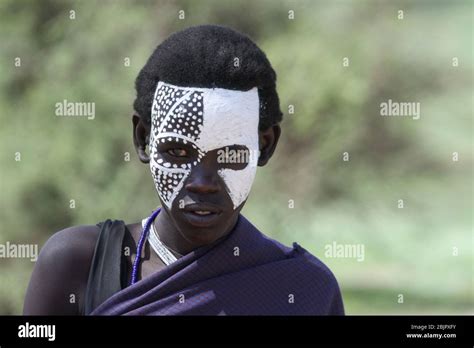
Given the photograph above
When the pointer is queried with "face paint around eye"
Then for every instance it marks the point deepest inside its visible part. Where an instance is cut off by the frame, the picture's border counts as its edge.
(205, 119)
(178, 152)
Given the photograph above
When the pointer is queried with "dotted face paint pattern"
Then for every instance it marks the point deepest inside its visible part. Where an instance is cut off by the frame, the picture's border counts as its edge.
(178, 115)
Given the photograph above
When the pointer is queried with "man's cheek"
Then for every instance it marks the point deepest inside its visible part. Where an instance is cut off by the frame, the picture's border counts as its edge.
(168, 183)
(238, 183)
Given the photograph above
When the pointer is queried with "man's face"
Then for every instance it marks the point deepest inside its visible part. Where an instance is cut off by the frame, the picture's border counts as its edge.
(203, 156)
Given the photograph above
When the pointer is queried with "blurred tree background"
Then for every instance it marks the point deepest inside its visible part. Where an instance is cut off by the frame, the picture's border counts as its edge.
(422, 251)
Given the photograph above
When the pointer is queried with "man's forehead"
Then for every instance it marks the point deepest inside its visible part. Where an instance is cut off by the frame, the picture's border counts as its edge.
(209, 117)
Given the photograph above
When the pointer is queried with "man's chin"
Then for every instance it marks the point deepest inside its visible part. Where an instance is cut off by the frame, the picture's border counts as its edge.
(200, 236)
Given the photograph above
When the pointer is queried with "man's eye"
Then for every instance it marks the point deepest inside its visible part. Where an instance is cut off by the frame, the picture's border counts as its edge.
(177, 152)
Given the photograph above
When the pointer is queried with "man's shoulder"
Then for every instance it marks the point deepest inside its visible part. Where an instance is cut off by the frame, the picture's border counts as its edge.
(300, 257)
(302, 261)
(74, 243)
(302, 270)
(317, 280)
(67, 254)
(61, 271)
(314, 266)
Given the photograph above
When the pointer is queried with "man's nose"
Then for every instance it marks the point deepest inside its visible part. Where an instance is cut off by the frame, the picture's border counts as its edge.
(203, 178)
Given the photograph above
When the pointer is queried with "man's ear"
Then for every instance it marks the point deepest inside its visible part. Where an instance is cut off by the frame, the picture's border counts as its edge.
(141, 133)
(268, 140)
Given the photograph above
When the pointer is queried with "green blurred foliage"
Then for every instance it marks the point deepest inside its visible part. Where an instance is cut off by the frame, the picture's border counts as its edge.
(408, 251)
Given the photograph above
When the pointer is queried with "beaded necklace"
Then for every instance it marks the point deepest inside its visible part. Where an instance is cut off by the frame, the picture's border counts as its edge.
(161, 249)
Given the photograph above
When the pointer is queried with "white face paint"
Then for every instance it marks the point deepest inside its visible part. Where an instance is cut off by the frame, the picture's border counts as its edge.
(206, 119)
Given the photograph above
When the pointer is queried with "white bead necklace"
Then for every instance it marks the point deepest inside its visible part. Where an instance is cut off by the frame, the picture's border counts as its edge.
(157, 245)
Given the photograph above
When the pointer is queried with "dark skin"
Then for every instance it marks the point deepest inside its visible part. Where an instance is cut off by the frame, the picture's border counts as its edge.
(57, 285)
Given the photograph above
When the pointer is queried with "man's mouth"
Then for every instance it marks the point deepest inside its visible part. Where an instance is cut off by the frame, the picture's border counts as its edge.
(202, 214)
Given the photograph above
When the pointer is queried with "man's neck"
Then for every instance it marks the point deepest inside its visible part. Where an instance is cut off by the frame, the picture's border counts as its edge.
(170, 236)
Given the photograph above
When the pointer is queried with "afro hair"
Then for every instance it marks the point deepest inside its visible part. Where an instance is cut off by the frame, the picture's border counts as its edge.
(210, 56)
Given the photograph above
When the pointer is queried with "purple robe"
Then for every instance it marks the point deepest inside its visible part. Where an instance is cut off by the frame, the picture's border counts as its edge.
(245, 273)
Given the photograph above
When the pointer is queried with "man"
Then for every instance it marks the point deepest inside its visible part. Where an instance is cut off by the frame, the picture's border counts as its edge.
(208, 112)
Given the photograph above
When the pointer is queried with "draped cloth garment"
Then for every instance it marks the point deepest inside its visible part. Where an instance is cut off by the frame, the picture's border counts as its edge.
(244, 273)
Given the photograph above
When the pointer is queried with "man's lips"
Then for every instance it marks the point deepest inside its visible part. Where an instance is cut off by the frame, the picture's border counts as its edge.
(202, 207)
(202, 214)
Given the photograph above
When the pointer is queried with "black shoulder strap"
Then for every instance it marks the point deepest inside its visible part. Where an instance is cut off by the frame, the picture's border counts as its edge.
(105, 272)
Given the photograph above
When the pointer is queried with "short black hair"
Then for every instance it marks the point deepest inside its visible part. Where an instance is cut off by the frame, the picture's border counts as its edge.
(210, 56)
